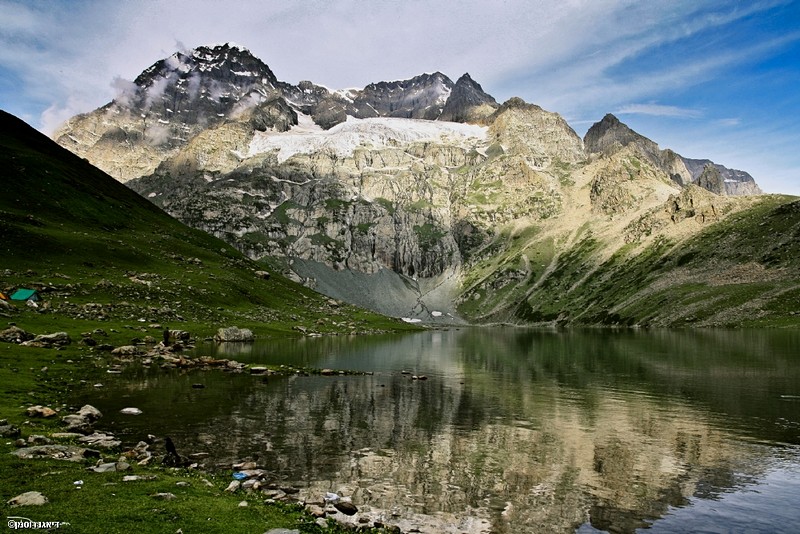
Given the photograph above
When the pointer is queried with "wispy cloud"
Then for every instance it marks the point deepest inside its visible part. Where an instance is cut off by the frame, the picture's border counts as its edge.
(659, 110)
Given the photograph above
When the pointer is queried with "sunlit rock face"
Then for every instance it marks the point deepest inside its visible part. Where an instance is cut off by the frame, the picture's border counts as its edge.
(425, 181)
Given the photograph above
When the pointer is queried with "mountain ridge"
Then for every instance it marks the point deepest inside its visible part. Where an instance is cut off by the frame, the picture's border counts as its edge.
(455, 213)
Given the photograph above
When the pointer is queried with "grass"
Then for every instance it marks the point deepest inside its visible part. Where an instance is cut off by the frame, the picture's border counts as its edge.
(102, 257)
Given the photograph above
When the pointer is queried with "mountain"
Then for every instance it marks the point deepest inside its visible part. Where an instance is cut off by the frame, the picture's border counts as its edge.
(610, 135)
(505, 216)
(97, 251)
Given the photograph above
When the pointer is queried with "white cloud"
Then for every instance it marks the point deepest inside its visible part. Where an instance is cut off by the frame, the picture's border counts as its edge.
(580, 58)
(659, 110)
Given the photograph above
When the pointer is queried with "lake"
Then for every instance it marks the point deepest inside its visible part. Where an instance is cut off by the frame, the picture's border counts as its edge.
(513, 430)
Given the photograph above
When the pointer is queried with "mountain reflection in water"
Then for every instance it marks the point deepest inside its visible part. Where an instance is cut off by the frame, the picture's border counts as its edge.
(514, 430)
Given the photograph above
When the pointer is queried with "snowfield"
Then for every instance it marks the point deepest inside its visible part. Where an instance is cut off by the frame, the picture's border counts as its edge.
(344, 138)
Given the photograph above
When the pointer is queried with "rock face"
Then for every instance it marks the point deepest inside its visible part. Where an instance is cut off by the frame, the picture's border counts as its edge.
(413, 189)
(609, 136)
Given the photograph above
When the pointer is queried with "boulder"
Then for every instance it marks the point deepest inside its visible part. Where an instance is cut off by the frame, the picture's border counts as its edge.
(57, 452)
(90, 413)
(126, 350)
(9, 431)
(233, 333)
(29, 498)
(40, 411)
(14, 334)
(58, 339)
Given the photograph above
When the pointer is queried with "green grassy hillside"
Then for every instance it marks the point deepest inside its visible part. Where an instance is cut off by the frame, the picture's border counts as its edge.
(742, 271)
(97, 251)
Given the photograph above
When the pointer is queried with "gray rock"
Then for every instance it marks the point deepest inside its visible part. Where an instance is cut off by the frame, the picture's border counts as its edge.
(58, 339)
(282, 531)
(234, 334)
(36, 439)
(127, 350)
(90, 413)
(104, 468)
(103, 441)
(14, 334)
(58, 452)
(9, 431)
(131, 411)
(29, 498)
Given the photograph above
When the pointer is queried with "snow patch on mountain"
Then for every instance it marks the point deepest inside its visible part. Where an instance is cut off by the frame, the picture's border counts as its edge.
(380, 132)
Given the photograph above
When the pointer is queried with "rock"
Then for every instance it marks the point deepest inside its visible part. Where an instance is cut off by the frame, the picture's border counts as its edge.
(264, 275)
(76, 423)
(259, 370)
(90, 413)
(233, 486)
(131, 411)
(182, 484)
(39, 440)
(14, 334)
(346, 507)
(164, 496)
(59, 339)
(235, 334)
(57, 452)
(40, 411)
(126, 350)
(103, 441)
(243, 504)
(29, 498)
(282, 531)
(104, 468)
(9, 431)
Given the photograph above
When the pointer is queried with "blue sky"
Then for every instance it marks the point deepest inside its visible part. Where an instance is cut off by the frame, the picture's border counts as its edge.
(707, 78)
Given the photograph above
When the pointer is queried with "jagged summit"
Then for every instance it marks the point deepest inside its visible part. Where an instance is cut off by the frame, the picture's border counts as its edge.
(610, 135)
(467, 102)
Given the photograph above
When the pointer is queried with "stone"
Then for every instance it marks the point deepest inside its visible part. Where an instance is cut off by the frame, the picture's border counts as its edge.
(126, 350)
(58, 339)
(40, 411)
(57, 452)
(346, 507)
(103, 441)
(29, 498)
(104, 468)
(166, 496)
(243, 504)
(9, 431)
(90, 413)
(233, 486)
(234, 334)
(36, 439)
(131, 411)
(282, 531)
(264, 275)
(15, 334)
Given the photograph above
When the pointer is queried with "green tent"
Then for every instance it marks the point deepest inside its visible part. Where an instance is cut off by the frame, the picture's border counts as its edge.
(25, 294)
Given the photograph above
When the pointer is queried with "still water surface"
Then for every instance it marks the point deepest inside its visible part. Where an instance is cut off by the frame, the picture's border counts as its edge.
(513, 431)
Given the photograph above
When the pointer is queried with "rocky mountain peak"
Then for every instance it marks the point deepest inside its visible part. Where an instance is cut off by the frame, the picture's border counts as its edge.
(467, 102)
(610, 135)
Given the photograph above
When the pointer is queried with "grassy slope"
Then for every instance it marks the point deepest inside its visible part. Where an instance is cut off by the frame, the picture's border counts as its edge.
(103, 257)
(73, 232)
(740, 272)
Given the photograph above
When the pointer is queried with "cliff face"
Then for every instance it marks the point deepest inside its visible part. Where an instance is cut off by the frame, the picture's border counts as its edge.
(347, 190)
